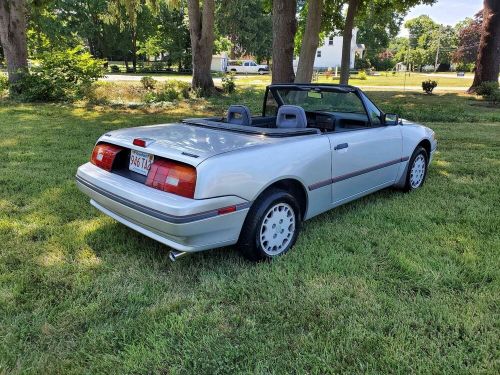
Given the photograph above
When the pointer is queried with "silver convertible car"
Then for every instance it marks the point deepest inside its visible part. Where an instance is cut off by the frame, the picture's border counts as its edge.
(252, 180)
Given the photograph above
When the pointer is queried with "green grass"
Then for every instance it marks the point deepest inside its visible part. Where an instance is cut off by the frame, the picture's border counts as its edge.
(391, 283)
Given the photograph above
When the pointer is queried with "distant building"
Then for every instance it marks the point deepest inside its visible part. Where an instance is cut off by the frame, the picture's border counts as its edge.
(329, 54)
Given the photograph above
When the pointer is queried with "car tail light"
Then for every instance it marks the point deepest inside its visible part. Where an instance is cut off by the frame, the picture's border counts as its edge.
(172, 177)
(104, 155)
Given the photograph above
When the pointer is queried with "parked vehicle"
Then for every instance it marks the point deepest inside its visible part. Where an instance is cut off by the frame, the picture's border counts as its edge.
(246, 66)
(252, 180)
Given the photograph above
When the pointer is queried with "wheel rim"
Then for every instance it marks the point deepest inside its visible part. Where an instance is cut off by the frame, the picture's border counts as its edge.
(417, 172)
(277, 229)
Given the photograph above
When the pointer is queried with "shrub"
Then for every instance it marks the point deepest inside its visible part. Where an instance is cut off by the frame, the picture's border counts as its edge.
(4, 82)
(489, 90)
(362, 75)
(428, 86)
(171, 90)
(115, 68)
(60, 76)
(228, 84)
(148, 82)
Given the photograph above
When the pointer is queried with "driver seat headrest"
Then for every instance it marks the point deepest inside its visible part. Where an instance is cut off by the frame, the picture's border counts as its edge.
(239, 115)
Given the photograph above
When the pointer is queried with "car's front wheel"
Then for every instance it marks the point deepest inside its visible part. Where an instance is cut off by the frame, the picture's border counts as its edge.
(417, 169)
(271, 227)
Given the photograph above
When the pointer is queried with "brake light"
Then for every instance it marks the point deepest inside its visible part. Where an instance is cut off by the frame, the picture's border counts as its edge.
(104, 155)
(139, 142)
(172, 177)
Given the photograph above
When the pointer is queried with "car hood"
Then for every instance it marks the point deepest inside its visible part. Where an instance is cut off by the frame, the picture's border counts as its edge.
(183, 142)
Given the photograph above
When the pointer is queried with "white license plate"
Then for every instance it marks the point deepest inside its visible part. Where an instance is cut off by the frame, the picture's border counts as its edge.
(140, 162)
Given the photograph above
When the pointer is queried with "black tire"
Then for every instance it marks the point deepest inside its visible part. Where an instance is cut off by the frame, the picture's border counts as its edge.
(410, 183)
(250, 243)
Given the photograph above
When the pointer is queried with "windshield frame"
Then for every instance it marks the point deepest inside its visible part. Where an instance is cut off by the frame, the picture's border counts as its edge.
(274, 89)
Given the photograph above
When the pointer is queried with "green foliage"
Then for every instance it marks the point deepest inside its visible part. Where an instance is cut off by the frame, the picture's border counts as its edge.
(489, 91)
(148, 82)
(362, 64)
(170, 91)
(114, 68)
(60, 76)
(428, 86)
(4, 82)
(228, 84)
(362, 75)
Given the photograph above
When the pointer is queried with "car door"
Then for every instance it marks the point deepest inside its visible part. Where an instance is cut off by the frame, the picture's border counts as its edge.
(364, 159)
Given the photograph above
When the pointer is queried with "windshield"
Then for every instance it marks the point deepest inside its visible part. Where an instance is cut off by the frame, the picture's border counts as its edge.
(322, 101)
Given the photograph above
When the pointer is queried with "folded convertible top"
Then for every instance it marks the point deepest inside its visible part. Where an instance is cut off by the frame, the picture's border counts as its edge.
(215, 123)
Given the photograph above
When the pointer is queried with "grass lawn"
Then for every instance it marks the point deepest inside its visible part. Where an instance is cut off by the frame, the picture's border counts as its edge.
(391, 283)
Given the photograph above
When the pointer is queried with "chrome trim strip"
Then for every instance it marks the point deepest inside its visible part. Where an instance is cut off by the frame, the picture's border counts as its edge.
(346, 176)
(155, 213)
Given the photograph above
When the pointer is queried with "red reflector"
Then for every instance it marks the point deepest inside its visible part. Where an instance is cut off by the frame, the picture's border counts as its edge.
(226, 210)
(172, 177)
(139, 142)
(104, 155)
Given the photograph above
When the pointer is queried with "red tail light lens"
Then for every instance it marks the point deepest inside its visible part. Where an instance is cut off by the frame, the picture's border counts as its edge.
(104, 155)
(172, 177)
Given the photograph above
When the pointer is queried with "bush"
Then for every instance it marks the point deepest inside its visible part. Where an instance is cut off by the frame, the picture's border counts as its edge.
(489, 90)
(115, 69)
(428, 86)
(362, 75)
(148, 82)
(60, 76)
(4, 82)
(171, 90)
(228, 84)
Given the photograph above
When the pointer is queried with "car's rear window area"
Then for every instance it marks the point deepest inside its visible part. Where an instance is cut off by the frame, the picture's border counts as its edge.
(323, 101)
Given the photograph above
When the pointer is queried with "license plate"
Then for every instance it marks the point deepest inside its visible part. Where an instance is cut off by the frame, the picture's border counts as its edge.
(140, 162)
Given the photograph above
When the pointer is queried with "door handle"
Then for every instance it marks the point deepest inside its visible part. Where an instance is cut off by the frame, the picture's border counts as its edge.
(341, 146)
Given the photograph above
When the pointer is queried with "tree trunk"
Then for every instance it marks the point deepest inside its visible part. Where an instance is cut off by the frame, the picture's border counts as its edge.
(310, 42)
(346, 41)
(488, 57)
(134, 51)
(201, 32)
(13, 37)
(284, 28)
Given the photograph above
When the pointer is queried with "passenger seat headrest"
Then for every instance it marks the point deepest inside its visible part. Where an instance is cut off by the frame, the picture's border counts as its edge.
(291, 117)
(239, 115)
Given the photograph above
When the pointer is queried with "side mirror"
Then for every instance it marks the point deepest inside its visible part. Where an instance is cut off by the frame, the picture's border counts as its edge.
(390, 119)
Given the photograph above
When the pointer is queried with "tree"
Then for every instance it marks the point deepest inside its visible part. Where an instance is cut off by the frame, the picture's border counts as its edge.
(284, 28)
(488, 57)
(469, 36)
(309, 41)
(248, 26)
(399, 6)
(201, 32)
(346, 41)
(13, 37)
(129, 15)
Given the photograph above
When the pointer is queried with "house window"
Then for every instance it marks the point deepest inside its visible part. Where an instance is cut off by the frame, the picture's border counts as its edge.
(330, 40)
(318, 53)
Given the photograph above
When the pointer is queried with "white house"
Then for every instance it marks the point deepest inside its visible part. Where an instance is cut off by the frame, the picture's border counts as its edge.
(329, 54)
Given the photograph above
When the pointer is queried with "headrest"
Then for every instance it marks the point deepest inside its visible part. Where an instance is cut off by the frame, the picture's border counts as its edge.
(291, 116)
(239, 115)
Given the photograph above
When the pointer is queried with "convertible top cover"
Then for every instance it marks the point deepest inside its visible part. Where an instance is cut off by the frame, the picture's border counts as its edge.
(216, 123)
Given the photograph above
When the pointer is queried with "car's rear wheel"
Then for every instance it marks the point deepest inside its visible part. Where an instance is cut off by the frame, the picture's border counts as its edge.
(262, 71)
(271, 227)
(417, 169)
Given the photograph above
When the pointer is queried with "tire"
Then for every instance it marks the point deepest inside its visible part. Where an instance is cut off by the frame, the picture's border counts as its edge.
(261, 72)
(264, 235)
(417, 169)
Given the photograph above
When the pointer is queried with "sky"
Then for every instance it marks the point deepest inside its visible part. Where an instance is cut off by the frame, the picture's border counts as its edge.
(446, 12)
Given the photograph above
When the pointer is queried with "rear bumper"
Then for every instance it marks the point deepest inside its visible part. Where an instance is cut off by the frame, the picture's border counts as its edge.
(181, 223)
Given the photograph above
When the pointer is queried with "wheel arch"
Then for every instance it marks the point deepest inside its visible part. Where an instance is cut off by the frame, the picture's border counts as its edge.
(294, 187)
(426, 144)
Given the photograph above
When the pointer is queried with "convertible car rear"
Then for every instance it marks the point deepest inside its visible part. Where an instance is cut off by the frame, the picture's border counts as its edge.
(252, 180)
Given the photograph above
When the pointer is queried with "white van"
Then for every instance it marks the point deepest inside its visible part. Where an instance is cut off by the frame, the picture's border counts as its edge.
(247, 67)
